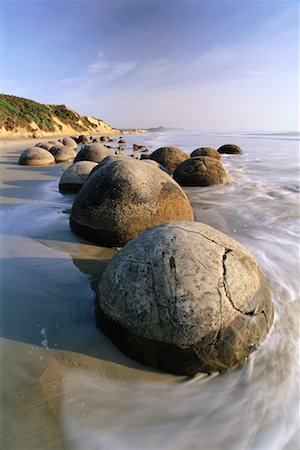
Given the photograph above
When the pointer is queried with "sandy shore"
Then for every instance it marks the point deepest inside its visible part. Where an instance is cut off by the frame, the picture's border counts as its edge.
(52, 352)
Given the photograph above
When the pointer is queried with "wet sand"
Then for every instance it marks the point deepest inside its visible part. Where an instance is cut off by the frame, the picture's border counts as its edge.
(49, 335)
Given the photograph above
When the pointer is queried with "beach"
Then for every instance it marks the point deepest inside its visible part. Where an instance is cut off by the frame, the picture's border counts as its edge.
(66, 386)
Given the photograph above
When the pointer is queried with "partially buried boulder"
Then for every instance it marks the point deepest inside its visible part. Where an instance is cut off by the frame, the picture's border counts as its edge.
(45, 145)
(185, 298)
(63, 153)
(169, 157)
(206, 151)
(36, 156)
(69, 142)
(200, 171)
(93, 152)
(231, 149)
(124, 197)
(75, 176)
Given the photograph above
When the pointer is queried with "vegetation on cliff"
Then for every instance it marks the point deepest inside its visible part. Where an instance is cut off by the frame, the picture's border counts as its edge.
(18, 113)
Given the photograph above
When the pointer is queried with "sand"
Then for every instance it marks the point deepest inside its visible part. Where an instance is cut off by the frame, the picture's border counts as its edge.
(52, 351)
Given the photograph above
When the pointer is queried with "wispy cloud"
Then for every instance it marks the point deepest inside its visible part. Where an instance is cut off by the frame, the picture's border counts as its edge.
(101, 64)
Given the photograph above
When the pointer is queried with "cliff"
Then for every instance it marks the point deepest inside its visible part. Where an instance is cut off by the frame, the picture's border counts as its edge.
(21, 117)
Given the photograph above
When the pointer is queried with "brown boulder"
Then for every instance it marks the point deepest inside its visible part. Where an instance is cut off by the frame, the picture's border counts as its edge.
(169, 157)
(200, 171)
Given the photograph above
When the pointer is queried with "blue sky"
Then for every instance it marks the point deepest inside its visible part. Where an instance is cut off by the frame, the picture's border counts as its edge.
(202, 65)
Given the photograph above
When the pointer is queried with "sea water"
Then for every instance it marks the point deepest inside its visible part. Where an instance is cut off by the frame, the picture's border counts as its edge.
(83, 389)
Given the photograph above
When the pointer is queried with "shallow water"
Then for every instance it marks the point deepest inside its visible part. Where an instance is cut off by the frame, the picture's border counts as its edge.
(65, 385)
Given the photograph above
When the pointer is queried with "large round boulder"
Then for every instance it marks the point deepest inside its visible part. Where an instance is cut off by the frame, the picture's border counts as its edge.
(124, 197)
(36, 156)
(231, 149)
(200, 171)
(63, 153)
(93, 152)
(169, 157)
(75, 176)
(185, 298)
(206, 151)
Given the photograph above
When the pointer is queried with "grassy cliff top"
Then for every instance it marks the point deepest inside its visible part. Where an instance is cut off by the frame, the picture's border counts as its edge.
(17, 112)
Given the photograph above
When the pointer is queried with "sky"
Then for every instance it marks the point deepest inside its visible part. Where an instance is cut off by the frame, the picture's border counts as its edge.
(191, 64)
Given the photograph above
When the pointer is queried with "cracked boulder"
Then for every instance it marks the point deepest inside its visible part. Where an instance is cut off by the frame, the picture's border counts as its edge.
(75, 176)
(200, 171)
(185, 298)
(206, 151)
(124, 197)
(169, 157)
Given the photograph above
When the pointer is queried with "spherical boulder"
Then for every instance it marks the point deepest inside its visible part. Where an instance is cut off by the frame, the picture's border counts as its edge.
(83, 139)
(231, 149)
(93, 152)
(200, 171)
(206, 151)
(69, 142)
(124, 197)
(63, 153)
(169, 157)
(45, 145)
(36, 156)
(75, 176)
(185, 298)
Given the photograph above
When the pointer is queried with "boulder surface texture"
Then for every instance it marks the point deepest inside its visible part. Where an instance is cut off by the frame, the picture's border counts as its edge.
(200, 171)
(206, 151)
(231, 149)
(169, 157)
(75, 176)
(185, 298)
(63, 153)
(124, 197)
(93, 152)
(36, 156)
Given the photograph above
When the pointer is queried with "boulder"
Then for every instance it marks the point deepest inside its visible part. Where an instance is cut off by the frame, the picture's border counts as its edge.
(75, 176)
(206, 151)
(83, 139)
(104, 139)
(93, 152)
(185, 298)
(121, 141)
(231, 149)
(45, 145)
(169, 157)
(152, 162)
(200, 171)
(36, 156)
(124, 197)
(69, 142)
(63, 153)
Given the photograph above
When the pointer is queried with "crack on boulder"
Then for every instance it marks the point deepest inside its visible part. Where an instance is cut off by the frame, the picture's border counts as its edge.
(226, 288)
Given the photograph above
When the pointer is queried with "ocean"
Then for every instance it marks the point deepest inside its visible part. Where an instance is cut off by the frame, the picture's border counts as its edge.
(66, 386)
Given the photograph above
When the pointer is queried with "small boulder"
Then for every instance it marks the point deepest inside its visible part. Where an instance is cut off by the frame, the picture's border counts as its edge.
(104, 138)
(69, 142)
(93, 152)
(124, 197)
(206, 151)
(75, 176)
(45, 145)
(231, 149)
(36, 156)
(169, 157)
(83, 139)
(200, 171)
(121, 141)
(185, 298)
(63, 153)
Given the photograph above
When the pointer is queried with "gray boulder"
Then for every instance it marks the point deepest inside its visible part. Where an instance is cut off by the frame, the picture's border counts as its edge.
(63, 153)
(75, 176)
(124, 197)
(206, 151)
(169, 157)
(36, 156)
(93, 152)
(231, 149)
(69, 142)
(45, 145)
(185, 298)
(83, 139)
(200, 171)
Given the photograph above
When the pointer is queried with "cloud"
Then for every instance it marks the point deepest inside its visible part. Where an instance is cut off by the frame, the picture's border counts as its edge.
(102, 64)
